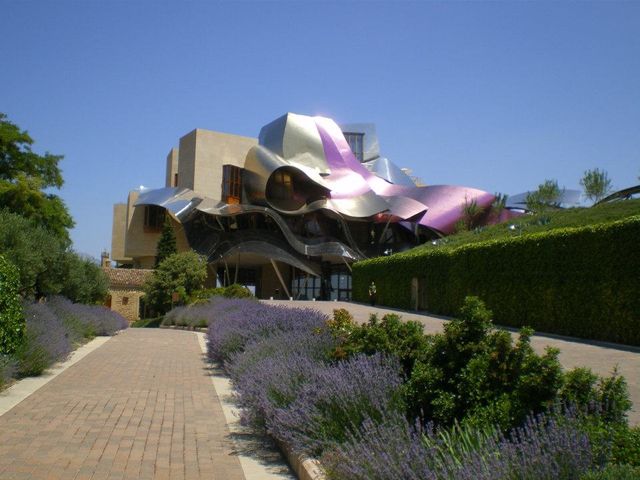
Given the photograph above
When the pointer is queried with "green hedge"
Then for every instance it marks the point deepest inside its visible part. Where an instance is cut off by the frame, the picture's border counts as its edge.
(583, 282)
(12, 323)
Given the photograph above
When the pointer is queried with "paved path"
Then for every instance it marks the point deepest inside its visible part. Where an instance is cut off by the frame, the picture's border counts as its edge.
(600, 357)
(142, 406)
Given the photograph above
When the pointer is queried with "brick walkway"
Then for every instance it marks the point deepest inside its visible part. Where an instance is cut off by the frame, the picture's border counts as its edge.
(600, 357)
(142, 406)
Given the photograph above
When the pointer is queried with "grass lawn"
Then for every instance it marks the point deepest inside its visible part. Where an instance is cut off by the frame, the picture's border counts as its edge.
(572, 217)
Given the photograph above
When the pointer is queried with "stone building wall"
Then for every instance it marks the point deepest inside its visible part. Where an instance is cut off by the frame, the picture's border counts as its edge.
(126, 302)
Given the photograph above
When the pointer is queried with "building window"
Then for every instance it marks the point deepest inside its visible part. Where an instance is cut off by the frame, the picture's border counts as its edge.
(356, 142)
(231, 184)
(282, 185)
(175, 179)
(125, 300)
(153, 218)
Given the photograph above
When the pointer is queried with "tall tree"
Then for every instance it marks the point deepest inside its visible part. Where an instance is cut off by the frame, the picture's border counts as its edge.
(167, 242)
(24, 176)
(596, 184)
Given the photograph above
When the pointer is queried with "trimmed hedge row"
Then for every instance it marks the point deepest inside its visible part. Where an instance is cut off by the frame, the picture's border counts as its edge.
(582, 282)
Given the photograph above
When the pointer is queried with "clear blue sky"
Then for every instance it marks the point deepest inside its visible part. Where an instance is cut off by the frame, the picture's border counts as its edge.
(498, 96)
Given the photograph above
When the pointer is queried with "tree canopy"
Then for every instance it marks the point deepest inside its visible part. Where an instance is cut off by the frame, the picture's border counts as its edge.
(182, 274)
(167, 242)
(24, 176)
(548, 195)
(596, 184)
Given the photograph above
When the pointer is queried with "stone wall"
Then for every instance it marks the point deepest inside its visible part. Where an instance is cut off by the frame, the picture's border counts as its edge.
(126, 302)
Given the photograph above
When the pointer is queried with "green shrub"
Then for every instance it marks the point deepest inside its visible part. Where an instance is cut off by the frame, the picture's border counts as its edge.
(614, 472)
(12, 322)
(237, 291)
(574, 281)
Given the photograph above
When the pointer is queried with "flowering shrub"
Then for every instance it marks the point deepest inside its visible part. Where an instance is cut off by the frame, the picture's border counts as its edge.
(86, 321)
(46, 340)
(238, 322)
(336, 400)
(341, 392)
(545, 448)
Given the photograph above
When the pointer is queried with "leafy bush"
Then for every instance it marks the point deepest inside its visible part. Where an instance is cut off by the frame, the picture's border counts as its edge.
(614, 472)
(182, 274)
(12, 323)
(573, 281)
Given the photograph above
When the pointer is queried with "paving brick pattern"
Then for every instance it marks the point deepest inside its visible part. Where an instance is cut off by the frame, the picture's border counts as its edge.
(142, 406)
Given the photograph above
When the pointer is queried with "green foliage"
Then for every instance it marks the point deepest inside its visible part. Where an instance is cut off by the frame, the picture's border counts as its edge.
(84, 280)
(147, 323)
(234, 290)
(581, 282)
(404, 340)
(24, 177)
(36, 253)
(545, 197)
(476, 374)
(596, 184)
(471, 213)
(166, 243)
(182, 274)
(614, 472)
(12, 322)
(46, 266)
(471, 372)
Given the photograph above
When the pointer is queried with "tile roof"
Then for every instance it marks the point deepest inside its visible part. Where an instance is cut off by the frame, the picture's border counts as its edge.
(127, 277)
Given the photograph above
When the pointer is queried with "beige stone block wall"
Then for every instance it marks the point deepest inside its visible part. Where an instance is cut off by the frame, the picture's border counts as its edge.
(186, 160)
(118, 230)
(126, 303)
(172, 168)
(138, 242)
(202, 154)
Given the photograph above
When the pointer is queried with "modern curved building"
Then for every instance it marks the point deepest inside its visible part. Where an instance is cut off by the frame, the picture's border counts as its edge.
(287, 214)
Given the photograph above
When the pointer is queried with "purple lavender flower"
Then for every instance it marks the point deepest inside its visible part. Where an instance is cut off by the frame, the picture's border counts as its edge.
(46, 340)
(336, 400)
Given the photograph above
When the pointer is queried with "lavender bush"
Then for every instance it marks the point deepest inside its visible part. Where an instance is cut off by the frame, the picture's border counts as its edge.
(7, 369)
(86, 321)
(46, 340)
(545, 448)
(237, 322)
(336, 400)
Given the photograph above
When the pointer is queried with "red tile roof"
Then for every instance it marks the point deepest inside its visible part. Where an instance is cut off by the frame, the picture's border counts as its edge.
(127, 277)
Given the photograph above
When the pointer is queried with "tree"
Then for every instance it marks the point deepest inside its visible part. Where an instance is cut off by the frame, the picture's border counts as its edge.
(596, 184)
(167, 242)
(180, 273)
(548, 195)
(38, 255)
(84, 280)
(24, 175)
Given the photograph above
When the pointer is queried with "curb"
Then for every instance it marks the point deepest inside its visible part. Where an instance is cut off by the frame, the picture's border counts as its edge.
(305, 468)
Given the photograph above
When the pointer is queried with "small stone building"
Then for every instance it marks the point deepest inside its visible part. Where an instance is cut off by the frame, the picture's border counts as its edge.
(125, 289)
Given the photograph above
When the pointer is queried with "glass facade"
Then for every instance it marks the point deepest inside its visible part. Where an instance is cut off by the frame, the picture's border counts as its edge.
(356, 142)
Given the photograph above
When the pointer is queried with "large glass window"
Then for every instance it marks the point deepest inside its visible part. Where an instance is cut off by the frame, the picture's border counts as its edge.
(231, 184)
(305, 287)
(340, 283)
(153, 218)
(356, 142)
